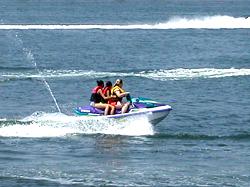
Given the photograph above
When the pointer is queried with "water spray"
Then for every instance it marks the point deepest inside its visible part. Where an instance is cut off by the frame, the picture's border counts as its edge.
(31, 59)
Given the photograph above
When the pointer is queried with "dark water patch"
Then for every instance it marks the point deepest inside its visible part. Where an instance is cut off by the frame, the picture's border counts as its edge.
(10, 159)
(11, 152)
(4, 80)
(230, 179)
(29, 182)
(45, 181)
(15, 79)
(15, 69)
(186, 136)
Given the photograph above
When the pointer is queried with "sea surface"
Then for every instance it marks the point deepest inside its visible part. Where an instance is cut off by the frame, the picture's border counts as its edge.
(193, 55)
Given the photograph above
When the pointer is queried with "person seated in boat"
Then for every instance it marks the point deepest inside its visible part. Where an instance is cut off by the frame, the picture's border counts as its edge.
(108, 97)
(107, 89)
(107, 92)
(120, 93)
(98, 99)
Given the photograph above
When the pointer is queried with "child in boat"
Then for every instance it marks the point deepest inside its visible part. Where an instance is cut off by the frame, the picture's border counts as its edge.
(98, 99)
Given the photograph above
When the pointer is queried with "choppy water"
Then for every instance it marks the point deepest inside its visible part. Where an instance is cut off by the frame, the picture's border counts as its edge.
(193, 55)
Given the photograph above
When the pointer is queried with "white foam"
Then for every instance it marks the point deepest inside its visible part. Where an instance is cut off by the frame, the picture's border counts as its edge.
(58, 124)
(62, 74)
(161, 74)
(205, 22)
(208, 22)
(180, 73)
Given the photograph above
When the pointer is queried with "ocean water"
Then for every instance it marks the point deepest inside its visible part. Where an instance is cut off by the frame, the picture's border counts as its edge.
(193, 55)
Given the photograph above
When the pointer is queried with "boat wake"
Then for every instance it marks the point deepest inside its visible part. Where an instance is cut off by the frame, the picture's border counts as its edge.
(205, 22)
(161, 74)
(41, 124)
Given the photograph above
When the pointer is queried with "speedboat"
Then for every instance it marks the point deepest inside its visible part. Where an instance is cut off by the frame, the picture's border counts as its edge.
(140, 107)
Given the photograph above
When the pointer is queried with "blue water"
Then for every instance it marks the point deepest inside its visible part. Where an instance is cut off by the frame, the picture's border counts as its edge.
(193, 55)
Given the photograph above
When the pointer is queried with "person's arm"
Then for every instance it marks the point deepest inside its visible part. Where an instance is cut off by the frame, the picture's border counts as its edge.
(109, 96)
(103, 96)
(121, 94)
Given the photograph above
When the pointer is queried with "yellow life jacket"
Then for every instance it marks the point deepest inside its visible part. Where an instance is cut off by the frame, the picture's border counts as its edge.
(117, 88)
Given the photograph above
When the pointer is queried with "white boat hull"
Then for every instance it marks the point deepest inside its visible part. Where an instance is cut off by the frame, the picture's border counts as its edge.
(154, 115)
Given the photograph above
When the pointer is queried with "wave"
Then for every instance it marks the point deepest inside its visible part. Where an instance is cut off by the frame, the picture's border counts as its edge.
(205, 22)
(46, 180)
(41, 124)
(182, 74)
(162, 74)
